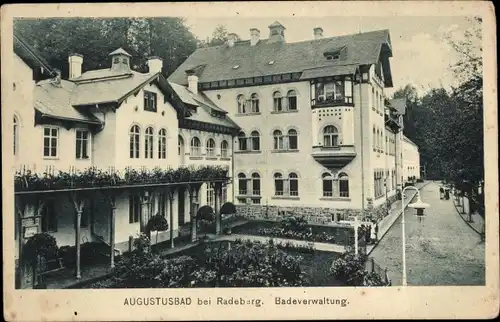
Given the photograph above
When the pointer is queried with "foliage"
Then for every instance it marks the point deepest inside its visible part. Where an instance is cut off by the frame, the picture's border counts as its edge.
(93, 177)
(156, 223)
(349, 268)
(142, 244)
(228, 209)
(219, 37)
(95, 38)
(41, 244)
(294, 223)
(374, 279)
(90, 254)
(205, 213)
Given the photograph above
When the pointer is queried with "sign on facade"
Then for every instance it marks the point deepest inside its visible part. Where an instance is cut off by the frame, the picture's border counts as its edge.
(30, 231)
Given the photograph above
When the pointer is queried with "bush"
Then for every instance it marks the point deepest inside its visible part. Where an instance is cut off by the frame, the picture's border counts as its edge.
(295, 223)
(349, 268)
(43, 245)
(228, 209)
(206, 214)
(156, 223)
(142, 243)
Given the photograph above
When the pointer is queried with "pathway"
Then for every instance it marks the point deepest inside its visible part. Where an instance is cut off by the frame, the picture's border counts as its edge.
(477, 223)
(441, 249)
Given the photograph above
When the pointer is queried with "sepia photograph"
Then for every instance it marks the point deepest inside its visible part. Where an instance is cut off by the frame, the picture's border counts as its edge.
(263, 151)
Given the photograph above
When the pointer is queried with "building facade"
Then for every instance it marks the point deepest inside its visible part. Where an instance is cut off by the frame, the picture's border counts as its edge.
(113, 120)
(318, 138)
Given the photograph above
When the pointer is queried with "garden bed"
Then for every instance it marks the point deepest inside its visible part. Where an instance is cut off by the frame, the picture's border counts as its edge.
(284, 263)
(321, 234)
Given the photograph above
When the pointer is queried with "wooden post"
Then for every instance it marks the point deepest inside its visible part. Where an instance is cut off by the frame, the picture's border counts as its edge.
(112, 202)
(170, 194)
(145, 197)
(192, 213)
(78, 203)
(217, 200)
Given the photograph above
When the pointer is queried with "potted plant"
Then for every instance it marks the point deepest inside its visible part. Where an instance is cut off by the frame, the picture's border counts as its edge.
(41, 246)
(206, 216)
(156, 223)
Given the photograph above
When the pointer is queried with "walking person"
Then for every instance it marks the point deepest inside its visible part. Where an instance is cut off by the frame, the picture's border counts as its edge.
(376, 231)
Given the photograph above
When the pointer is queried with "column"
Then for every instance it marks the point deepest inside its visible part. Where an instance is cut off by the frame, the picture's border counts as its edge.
(193, 207)
(217, 201)
(170, 195)
(112, 202)
(78, 203)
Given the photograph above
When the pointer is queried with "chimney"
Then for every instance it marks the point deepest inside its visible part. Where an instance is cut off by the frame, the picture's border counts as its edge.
(192, 81)
(231, 39)
(318, 33)
(155, 64)
(254, 36)
(75, 65)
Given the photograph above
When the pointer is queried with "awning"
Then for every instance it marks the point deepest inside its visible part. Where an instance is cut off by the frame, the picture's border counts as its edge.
(328, 71)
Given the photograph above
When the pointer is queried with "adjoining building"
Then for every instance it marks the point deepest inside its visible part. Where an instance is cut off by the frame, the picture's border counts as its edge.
(113, 123)
(318, 137)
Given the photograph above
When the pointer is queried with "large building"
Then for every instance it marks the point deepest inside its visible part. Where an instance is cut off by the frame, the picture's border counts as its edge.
(317, 136)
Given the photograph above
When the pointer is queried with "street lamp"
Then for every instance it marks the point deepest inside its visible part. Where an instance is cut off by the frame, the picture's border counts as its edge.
(420, 206)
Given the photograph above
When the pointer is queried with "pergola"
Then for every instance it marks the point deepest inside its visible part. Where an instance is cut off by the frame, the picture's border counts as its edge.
(30, 202)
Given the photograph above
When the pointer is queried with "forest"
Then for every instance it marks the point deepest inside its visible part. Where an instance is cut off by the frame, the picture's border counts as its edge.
(446, 124)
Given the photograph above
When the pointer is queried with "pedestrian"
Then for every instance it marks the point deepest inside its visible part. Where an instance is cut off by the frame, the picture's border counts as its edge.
(441, 193)
(376, 231)
(368, 234)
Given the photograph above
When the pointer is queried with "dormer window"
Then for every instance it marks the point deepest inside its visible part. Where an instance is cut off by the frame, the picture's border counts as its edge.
(332, 57)
(333, 53)
(236, 66)
(271, 62)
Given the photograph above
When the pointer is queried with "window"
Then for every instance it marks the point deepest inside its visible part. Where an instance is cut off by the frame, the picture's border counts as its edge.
(294, 184)
(135, 136)
(149, 101)
(330, 136)
(134, 209)
(374, 142)
(116, 60)
(241, 104)
(343, 185)
(49, 217)
(378, 183)
(50, 140)
(211, 148)
(242, 141)
(195, 147)
(330, 92)
(255, 139)
(335, 186)
(242, 184)
(148, 143)
(279, 185)
(373, 98)
(125, 60)
(278, 140)
(16, 134)
(278, 102)
(377, 138)
(224, 146)
(254, 99)
(327, 185)
(162, 204)
(255, 184)
(162, 144)
(210, 196)
(82, 144)
(292, 100)
(293, 140)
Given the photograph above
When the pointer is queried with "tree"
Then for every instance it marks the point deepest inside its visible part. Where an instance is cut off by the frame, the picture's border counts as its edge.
(219, 37)
(156, 223)
(205, 215)
(95, 38)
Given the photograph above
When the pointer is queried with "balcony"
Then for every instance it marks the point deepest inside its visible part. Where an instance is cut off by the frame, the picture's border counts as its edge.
(334, 157)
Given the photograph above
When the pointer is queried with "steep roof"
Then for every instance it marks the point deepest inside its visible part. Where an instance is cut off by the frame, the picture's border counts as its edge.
(361, 49)
(33, 59)
(120, 51)
(205, 106)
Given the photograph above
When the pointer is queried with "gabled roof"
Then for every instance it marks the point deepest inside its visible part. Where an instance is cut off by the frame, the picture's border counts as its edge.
(120, 51)
(33, 59)
(362, 49)
(205, 106)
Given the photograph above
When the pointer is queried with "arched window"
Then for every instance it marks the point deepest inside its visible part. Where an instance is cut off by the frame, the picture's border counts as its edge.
(293, 140)
(292, 100)
(135, 136)
(255, 184)
(211, 147)
(255, 139)
(148, 143)
(16, 134)
(242, 184)
(278, 140)
(224, 147)
(343, 185)
(278, 184)
(330, 136)
(254, 99)
(294, 184)
(180, 145)
(327, 185)
(195, 147)
(241, 104)
(242, 141)
(278, 102)
(162, 144)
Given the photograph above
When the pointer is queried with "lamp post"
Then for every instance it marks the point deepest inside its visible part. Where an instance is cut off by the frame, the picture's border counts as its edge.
(420, 206)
